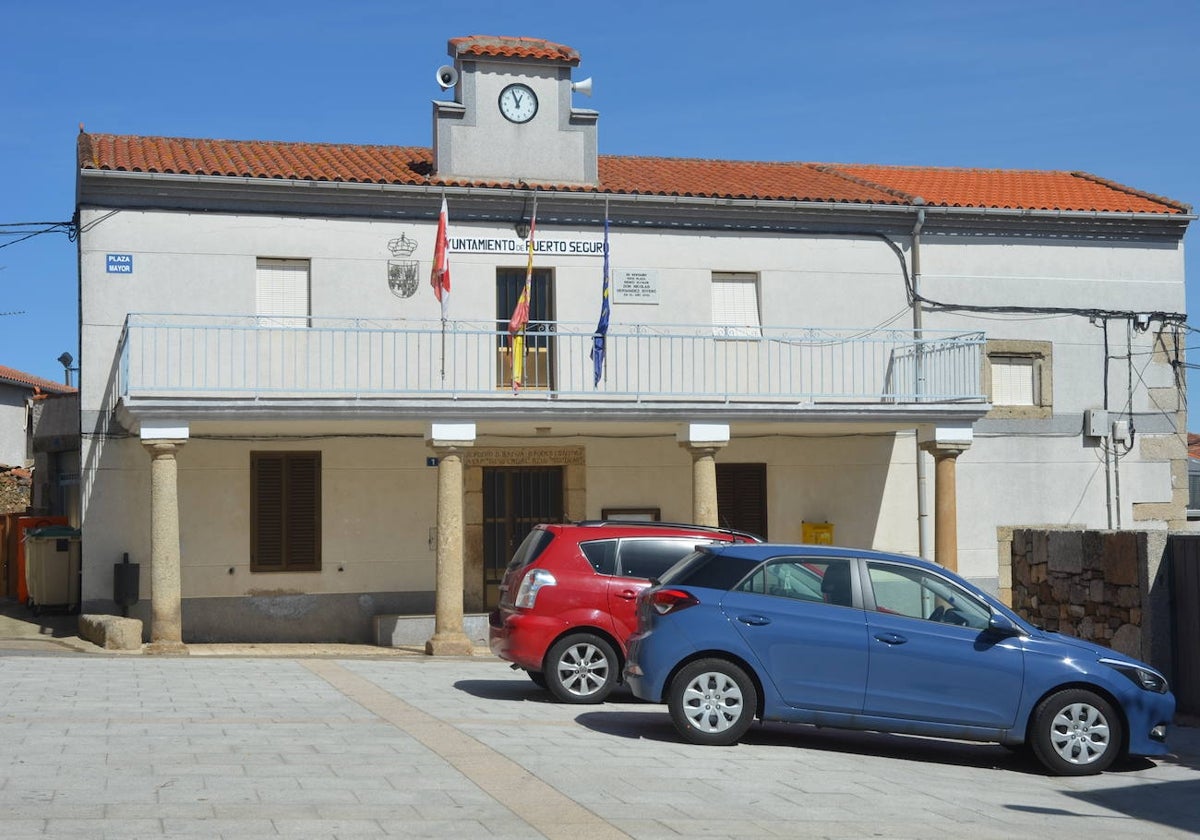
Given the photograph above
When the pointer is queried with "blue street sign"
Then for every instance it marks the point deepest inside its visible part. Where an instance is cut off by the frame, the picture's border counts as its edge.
(119, 263)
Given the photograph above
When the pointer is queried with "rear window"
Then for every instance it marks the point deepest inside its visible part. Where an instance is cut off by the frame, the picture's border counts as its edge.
(711, 571)
(530, 549)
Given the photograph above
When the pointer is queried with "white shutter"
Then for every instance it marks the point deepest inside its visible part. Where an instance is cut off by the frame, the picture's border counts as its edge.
(281, 292)
(735, 305)
(1014, 380)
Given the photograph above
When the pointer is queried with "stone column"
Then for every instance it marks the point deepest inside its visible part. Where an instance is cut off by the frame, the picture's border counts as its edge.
(166, 624)
(946, 444)
(945, 507)
(703, 441)
(448, 441)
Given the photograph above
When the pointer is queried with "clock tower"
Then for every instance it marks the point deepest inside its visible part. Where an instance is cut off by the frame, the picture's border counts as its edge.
(511, 118)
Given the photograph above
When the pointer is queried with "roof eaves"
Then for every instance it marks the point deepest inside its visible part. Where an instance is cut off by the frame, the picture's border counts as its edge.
(502, 46)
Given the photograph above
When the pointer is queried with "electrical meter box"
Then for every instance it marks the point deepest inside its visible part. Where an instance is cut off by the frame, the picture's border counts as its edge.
(1095, 423)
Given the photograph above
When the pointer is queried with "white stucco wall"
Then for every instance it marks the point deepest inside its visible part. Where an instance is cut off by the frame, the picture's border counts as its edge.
(379, 496)
(13, 444)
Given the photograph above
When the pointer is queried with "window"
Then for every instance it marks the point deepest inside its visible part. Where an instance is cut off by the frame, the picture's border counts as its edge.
(1193, 506)
(1014, 380)
(602, 554)
(538, 362)
(1017, 378)
(735, 305)
(916, 594)
(285, 511)
(649, 558)
(801, 580)
(281, 293)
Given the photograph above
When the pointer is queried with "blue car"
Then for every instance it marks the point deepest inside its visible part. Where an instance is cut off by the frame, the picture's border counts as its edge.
(866, 640)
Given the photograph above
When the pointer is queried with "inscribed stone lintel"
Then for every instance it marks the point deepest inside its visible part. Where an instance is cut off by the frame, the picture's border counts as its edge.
(523, 456)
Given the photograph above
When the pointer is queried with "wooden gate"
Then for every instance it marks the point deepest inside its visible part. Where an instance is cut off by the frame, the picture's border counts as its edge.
(1185, 621)
(514, 500)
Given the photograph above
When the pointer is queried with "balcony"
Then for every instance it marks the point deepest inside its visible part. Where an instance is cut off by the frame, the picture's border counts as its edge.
(238, 359)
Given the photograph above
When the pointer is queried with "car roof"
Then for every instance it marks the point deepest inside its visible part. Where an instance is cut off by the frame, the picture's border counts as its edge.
(620, 527)
(764, 551)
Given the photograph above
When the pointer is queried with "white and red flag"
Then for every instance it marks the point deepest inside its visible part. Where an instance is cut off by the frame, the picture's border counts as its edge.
(440, 277)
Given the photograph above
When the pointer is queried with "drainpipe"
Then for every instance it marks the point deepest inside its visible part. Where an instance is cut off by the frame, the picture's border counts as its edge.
(924, 540)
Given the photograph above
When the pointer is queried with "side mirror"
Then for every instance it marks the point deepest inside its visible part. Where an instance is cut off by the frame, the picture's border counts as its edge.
(1000, 625)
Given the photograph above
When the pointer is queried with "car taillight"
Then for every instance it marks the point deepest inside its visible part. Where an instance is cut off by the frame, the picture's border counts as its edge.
(530, 585)
(664, 601)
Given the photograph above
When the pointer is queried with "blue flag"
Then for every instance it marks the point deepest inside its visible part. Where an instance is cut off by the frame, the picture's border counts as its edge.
(600, 336)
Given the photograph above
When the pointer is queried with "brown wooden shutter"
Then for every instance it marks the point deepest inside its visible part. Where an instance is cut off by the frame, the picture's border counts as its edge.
(266, 511)
(302, 522)
(285, 511)
(742, 497)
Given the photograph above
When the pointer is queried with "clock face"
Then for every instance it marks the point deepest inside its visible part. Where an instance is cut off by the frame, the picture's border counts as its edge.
(518, 103)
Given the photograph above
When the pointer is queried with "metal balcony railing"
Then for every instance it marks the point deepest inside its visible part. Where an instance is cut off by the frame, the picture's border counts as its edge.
(259, 357)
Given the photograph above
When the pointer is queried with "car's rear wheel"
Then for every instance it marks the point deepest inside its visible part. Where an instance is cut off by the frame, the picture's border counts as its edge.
(581, 669)
(712, 701)
(1076, 733)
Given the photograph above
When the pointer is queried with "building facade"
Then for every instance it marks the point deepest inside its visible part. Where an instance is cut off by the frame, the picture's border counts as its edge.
(18, 393)
(292, 435)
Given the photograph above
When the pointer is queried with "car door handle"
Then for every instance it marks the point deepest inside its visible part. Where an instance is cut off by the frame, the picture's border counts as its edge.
(891, 638)
(754, 620)
(627, 594)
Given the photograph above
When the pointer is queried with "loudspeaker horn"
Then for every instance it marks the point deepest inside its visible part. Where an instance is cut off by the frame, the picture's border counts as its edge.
(584, 87)
(447, 77)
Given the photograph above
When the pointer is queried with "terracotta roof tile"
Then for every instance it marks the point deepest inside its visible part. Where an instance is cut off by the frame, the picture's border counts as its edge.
(506, 47)
(12, 376)
(732, 179)
(853, 183)
(1010, 189)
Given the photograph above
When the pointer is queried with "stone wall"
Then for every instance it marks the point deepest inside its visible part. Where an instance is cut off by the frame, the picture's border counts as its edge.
(1102, 586)
(15, 486)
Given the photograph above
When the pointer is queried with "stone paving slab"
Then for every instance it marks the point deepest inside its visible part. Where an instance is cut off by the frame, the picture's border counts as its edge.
(234, 746)
(350, 741)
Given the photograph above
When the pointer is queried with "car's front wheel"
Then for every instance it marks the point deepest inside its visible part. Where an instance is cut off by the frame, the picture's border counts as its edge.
(1076, 733)
(581, 669)
(713, 702)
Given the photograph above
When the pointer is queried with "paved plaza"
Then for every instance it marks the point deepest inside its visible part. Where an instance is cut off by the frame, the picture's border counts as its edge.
(323, 744)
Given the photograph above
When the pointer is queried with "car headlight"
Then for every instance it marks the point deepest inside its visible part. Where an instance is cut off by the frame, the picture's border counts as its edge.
(530, 584)
(1141, 677)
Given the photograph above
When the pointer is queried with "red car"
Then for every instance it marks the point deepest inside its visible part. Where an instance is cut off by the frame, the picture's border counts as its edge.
(568, 599)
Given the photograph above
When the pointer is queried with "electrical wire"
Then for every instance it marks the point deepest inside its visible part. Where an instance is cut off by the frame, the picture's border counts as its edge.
(47, 227)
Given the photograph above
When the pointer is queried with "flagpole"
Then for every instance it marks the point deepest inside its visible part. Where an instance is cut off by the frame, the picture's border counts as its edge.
(520, 315)
(600, 336)
(443, 300)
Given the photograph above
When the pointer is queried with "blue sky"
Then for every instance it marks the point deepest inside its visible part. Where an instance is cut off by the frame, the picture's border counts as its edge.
(1106, 87)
